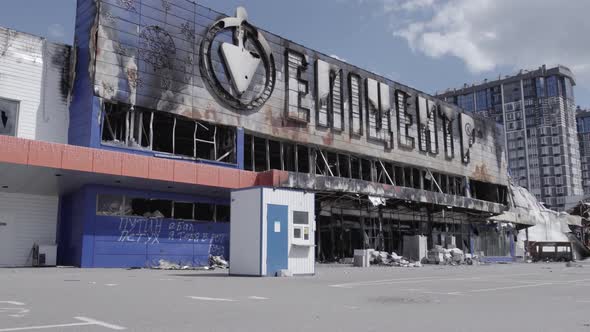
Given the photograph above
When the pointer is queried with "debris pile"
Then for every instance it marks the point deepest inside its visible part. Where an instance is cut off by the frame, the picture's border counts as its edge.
(453, 256)
(215, 262)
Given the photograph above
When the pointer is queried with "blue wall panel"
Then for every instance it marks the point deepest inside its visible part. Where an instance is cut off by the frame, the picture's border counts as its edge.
(83, 126)
(91, 240)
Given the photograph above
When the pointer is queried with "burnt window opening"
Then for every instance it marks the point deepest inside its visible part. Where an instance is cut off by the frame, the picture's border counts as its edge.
(428, 181)
(384, 172)
(204, 212)
(451, 183)
(183, 210)
(184, 142)
(344, 165)
(248, 152)
(289, 157)
(485, 191)
(114, 125)
(332, 163)
(141, 128)
(120, 205)
(399, 176)
(408, 177)
(444, 183)
(222, 213)
(460, 186)
(139, 131)
(366, 169)
(163, 126)
(321, 163)
(151, 208)
(302, 159)
(416, 178)
(355, 168)
(225, 144)
(275, 158)
(259, 155)
(205, 141)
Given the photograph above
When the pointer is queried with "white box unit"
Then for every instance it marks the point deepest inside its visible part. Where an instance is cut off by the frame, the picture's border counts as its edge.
(272, 230)
(45, 255)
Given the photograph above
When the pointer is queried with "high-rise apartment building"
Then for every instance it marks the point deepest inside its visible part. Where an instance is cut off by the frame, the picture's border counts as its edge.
(583, 121)
(538, 111)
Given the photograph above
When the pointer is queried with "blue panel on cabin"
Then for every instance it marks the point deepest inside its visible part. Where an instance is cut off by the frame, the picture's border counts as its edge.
(277, 248)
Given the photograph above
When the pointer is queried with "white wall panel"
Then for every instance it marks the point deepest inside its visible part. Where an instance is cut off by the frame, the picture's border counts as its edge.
(32, 72)
(27, 219)
(245, 242)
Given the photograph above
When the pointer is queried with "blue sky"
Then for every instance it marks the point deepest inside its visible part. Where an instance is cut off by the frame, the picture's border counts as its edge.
(427, 44)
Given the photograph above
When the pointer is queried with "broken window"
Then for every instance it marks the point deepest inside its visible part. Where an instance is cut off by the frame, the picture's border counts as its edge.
(274, 150)
(289, 157)
(399, 175)
(321, 163)
(344, 165)
(184, 142)
(204, 211)
(222, 213)
(183, 210)
(366, 170)
(444, 180)
(139, 128)
(166, 132)
(225, 144)
(205, 141)
(109, 205)
(151, 208)
(248, 152)
(302, 159)
(332, 163)
(114, 126)
(163, 128)
(355, 168)
(416, 178)
(408, 181)
(260, 157)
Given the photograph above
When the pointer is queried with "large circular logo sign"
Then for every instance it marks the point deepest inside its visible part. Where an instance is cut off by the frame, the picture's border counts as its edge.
(240, 73)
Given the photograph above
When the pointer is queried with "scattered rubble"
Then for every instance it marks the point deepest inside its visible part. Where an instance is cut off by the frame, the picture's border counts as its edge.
(215, 262)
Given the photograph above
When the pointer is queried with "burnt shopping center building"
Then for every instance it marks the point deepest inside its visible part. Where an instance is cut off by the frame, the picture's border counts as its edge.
(176, 105)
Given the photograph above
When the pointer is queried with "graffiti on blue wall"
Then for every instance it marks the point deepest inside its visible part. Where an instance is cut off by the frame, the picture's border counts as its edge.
(139, 241)
(140, 230)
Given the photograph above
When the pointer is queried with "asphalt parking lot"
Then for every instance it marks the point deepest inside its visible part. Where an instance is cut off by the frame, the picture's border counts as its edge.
(512, 297)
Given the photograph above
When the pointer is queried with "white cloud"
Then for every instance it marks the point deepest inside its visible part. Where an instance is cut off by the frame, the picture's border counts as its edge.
(486, 34)
(56, 31)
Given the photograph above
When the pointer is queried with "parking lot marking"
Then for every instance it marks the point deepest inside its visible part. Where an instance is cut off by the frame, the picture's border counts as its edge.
(12, 302)
(399, 281)
(509, 287)
(202, 298)
(258, 298)
(85, 322)
(100, 323)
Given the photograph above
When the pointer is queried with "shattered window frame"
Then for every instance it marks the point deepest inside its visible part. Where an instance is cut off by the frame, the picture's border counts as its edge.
(135, 129)
(220, 213)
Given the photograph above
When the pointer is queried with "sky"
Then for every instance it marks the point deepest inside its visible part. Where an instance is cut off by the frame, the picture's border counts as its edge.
(430, 45)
